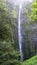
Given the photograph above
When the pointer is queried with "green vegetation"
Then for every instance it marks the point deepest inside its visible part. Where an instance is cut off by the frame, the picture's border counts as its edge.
(31, 61)
(8, 55)
(34, 11)
(9, 48)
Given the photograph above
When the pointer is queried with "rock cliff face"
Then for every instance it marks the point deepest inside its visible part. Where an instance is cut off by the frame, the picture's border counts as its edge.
(28, 30)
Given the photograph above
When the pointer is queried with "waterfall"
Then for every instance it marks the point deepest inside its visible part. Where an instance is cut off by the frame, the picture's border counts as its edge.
(19, 31)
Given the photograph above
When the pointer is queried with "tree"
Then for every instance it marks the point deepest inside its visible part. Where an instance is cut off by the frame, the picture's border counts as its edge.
(34, 10)
(8, 55)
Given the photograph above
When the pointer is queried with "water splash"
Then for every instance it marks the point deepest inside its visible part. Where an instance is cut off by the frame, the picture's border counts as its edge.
(19, 31)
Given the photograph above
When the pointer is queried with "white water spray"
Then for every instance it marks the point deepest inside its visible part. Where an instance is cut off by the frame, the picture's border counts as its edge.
(19, 30)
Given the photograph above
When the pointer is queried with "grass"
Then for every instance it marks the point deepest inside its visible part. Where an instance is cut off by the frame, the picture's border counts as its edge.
(31, 61)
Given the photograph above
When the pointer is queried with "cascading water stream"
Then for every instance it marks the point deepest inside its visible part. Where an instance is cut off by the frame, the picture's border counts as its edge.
(19, 31)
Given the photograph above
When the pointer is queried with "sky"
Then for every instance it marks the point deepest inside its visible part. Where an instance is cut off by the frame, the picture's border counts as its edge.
(24, 0)
(19, 1)
(30, 0)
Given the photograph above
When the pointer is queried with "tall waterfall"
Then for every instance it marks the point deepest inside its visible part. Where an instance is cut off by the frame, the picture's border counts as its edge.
(19, 31)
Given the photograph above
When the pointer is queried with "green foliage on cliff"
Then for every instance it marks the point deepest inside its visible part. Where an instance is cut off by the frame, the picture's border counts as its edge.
(34, 11)
(8, 55)
(31, 61)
